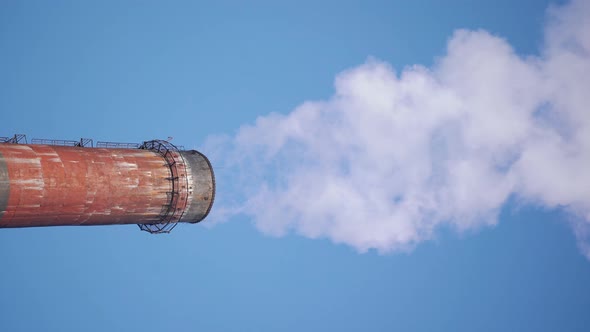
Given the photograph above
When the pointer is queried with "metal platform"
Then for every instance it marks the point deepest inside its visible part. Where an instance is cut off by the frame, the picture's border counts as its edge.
(178, 197)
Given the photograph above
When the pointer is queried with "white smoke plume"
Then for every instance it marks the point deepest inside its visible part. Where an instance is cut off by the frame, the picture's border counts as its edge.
(391, 157)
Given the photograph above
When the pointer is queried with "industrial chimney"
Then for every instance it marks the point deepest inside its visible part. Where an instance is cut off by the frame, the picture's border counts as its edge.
(56, 182)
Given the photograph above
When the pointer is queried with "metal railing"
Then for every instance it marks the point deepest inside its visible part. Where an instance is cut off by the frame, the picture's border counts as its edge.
(117, 145)
(83, 142)
(16, 139)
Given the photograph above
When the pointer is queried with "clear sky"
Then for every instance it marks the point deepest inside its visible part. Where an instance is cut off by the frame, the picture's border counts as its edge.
(130, 71)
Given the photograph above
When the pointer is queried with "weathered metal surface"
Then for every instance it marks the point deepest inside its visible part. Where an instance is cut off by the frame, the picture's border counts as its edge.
(4, 186)
(201, 182)
(55, 185)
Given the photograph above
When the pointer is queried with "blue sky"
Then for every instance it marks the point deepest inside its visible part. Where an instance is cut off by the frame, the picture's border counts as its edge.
(131, 71)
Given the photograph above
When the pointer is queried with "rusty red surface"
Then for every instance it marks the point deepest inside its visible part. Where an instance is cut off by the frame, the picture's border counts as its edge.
(54, 185)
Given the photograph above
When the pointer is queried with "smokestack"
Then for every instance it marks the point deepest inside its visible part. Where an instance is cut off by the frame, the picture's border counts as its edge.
(55, 182)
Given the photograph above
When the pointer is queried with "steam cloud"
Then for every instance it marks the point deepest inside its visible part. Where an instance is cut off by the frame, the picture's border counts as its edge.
(389, 158)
